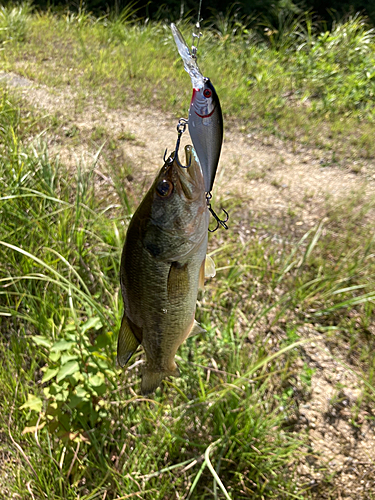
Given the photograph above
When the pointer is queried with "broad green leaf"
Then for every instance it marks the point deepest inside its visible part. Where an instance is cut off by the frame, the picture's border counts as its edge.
(67, 369)
(54, 356)
(91, 323)
(68, 357)
(103, 340)
(81, 396)
(103, 413)
(75, 401)
(33, 403)
(82, 393)
(55, 389)
(98, 390)
(40, 340)
(62, 396)
(82, 351)
(52, 409)
(76, 377)
(53, 426)
(62, 345)
(70, 328)
(50, 373)
(96, 380)
(64, 421)
(99, 362)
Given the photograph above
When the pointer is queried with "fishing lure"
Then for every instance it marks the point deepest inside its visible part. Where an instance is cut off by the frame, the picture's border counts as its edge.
(205, 116)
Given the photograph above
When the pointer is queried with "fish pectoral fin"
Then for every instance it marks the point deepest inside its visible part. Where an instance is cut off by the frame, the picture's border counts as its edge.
(209, 267)
(178, 281)
(151, 379)
(196, 329)
(127, 343)
(207, 270)
(201, 276)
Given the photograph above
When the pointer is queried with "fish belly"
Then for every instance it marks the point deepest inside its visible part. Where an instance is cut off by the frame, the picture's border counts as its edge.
(160, 299)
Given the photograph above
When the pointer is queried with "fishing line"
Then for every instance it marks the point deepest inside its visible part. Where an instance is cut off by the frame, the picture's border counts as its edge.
(197, 35)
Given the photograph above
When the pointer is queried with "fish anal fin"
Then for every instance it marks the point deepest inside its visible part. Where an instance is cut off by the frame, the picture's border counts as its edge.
(196, 329)
(178, 281)
(127, 343)
(151, 380)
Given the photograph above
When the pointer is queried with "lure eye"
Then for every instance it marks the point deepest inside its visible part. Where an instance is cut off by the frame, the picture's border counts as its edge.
(164, 188)
(207, 93)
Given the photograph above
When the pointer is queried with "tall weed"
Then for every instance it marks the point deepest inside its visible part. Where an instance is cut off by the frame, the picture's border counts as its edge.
(14, 22)
(77, 415)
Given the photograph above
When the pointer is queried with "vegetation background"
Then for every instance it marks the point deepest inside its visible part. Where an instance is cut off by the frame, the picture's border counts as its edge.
(257, 9)
(276, 400)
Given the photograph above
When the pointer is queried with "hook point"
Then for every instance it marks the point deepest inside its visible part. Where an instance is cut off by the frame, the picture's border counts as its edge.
(220, 222)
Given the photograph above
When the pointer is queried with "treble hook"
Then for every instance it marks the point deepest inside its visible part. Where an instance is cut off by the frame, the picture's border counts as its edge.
(215, 216)
(170, 158)
(181, 127)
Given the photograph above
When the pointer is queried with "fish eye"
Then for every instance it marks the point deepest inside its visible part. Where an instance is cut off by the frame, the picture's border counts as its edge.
(207, 93)
(164, 188)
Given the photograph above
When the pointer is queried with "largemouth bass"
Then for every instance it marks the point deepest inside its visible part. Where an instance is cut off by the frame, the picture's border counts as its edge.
(162, 266)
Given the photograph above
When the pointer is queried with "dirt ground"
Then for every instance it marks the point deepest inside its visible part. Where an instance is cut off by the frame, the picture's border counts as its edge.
(270, 178)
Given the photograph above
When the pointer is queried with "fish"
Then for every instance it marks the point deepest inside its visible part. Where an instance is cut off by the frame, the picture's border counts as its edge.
(205, 121)
(163, 264)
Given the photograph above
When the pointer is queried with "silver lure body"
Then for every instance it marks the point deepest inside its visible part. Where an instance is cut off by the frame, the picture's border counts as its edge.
(205, 116)
(206, 130)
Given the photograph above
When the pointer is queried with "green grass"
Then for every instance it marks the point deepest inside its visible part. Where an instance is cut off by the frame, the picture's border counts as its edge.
(72, 424)
(68, 411)
(295, 80)
(14, 22)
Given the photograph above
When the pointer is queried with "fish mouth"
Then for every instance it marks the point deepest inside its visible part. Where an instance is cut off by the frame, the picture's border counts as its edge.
(190, 179)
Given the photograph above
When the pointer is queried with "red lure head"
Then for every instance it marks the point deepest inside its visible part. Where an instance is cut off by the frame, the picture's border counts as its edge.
(204, 100)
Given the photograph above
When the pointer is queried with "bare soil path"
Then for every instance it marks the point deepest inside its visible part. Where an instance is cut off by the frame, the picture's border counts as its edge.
(271, 179)
(264, 172)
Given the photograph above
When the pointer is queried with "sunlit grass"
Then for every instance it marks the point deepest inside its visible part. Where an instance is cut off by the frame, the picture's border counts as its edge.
(295, 79)
(75, 424)
(223, 426)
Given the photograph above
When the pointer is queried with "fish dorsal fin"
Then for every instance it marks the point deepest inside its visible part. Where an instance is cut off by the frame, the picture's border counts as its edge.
(209, 267)
(127, 343)
(178, 281)
(196, 329)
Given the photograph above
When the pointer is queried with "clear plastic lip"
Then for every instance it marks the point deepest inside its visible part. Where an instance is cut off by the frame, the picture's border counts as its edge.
(190, 64)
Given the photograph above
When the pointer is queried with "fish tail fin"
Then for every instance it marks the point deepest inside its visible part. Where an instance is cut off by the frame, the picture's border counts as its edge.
(152, 379)
(127, 344)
